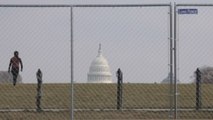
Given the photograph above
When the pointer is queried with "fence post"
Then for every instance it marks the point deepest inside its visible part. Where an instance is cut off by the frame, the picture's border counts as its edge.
(39, 94)
(198, 89)
(119, 89)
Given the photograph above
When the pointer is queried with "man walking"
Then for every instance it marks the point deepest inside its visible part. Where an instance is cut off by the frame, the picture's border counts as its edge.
(15, 61)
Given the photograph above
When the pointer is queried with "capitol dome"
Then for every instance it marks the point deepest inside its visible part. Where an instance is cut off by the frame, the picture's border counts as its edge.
(99, 71)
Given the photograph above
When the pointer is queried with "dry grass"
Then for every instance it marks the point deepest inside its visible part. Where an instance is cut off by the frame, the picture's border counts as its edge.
(102, 96)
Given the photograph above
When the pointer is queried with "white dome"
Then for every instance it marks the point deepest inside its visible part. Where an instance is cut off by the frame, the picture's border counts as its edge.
(99, 71)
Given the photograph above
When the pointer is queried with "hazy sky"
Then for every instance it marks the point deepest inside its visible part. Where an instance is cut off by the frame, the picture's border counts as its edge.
(133, 39)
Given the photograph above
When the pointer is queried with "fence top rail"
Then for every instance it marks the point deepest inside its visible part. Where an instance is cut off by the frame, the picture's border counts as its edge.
(85, 5)
(201, 5)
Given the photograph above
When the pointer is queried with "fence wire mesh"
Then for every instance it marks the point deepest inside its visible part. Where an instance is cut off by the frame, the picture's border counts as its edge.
(42, 38)
(79, 49)
(134, 39)
(194, 54)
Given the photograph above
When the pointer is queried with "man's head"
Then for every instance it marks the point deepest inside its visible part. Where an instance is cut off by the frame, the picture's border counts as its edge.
(16, 53)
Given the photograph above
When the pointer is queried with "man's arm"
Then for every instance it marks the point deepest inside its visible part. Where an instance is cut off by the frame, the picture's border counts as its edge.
(21, 64)
(10, 65)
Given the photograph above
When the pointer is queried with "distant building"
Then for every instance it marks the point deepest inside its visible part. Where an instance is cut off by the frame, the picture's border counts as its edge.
(167, 80)
(6, 77)
(99, 70)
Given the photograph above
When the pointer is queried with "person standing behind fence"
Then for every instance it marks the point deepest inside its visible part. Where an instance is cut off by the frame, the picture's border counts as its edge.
(15, 62)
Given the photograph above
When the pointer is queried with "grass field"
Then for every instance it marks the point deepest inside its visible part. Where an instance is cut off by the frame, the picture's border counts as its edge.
(90, 97)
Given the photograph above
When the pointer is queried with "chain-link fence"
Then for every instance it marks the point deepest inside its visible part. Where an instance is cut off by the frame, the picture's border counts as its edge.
(135, 39)
(41, 36)
(80, 50)
(194, 65)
